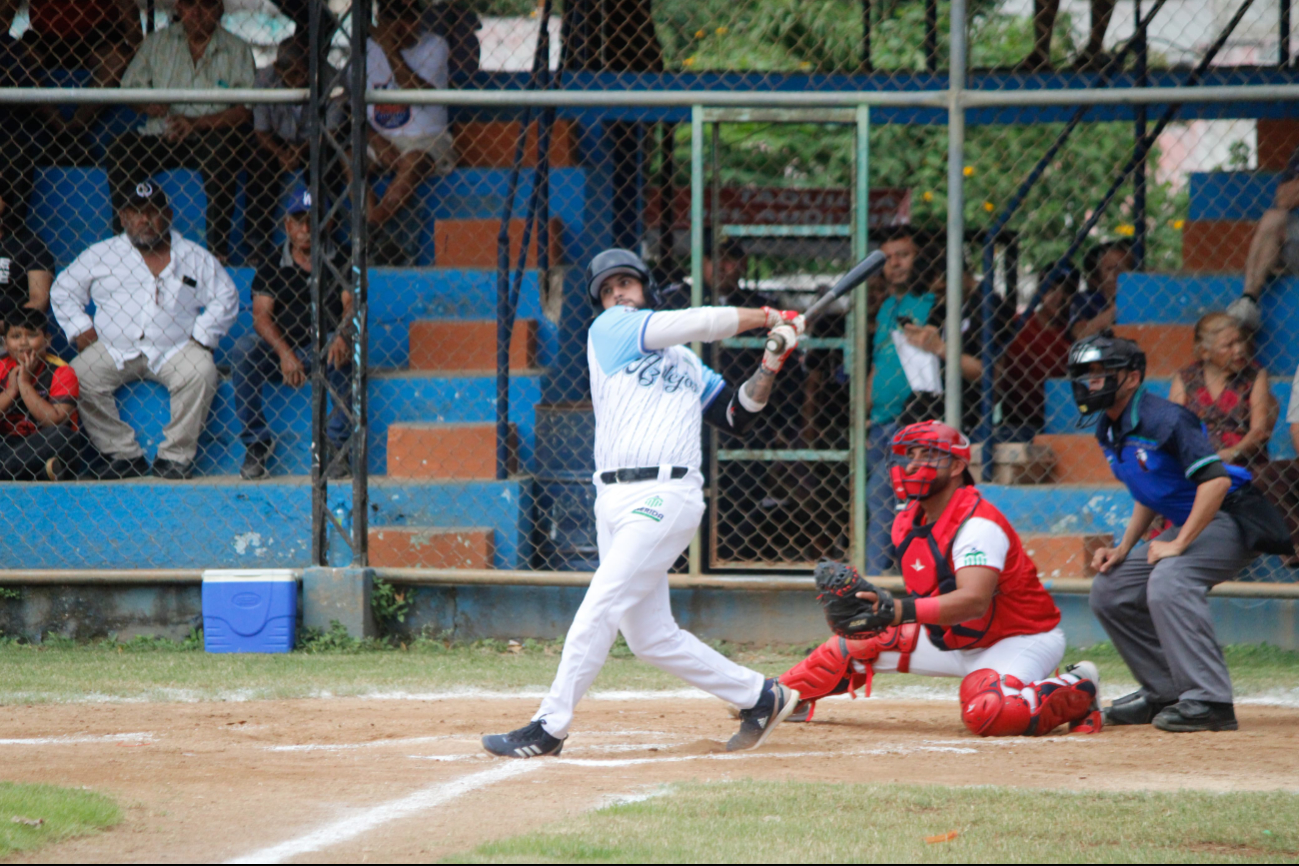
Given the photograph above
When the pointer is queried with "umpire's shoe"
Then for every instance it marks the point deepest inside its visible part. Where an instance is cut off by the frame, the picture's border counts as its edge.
(1137, 708)
(1189, 716)
(774, 705)
(530, 741)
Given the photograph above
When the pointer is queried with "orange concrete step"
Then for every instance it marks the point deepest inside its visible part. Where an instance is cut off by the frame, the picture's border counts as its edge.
(458, 344)
(1277, 139)
(1168, 348)
(471, 243)
(1078, 458)
(1064, 555)
(432, 546)
(491, 143)
(445, 451)
(1215, 246)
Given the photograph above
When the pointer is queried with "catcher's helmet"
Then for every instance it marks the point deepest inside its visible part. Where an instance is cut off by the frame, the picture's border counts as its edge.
(1113, 354)
(616, 261)
(914, 479)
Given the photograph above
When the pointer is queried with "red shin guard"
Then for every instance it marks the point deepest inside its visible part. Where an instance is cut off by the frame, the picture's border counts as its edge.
(840, 665)
(996, 706)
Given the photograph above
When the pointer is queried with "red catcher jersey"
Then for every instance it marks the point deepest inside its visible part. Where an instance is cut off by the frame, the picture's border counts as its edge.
(1020, 604)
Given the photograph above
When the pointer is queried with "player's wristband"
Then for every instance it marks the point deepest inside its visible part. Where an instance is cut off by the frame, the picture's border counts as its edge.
(921, 610)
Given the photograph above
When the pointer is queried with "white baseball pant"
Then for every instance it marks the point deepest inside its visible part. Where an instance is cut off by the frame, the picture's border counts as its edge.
(1030, 657)
(642, 528)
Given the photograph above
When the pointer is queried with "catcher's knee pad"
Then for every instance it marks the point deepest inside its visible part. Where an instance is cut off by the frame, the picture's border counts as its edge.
(1063, 700)
(990, 709)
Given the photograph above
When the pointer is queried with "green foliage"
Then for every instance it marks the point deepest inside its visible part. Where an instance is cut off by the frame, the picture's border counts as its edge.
(62, 813)
(390, 604)
(10, 593)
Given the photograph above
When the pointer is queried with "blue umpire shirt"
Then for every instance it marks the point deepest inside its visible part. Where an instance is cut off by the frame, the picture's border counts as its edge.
(1161, 453)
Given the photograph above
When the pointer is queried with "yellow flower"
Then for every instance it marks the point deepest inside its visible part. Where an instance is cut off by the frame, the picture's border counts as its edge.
(927, 195)
(700, 34)
(989, 206)
(1126, 229)
(804, 65)
(722, 31)
(689, 61)
(969, 171)
(1178, 224)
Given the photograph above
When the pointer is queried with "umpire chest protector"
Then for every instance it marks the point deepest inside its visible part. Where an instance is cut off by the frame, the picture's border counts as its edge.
(1019, 606)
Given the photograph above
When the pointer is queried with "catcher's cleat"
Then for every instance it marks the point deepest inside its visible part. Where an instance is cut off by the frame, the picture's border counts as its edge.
(530, 741)
(1137, 708)
(1093, 721)
(1190, 716)
(774, 706)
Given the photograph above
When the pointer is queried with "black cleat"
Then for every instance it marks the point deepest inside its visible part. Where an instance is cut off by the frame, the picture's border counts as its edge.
(774, 705)
(125, 467)
(1137, 708)
(531, 741)
(1191, 716)
(255, 457)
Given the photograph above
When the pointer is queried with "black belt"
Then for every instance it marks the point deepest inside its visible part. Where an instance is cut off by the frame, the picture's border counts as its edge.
(642, 473)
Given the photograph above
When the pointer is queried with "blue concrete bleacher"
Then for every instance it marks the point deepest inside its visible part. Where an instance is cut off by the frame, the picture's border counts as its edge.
(225, 523)
(1231, 195)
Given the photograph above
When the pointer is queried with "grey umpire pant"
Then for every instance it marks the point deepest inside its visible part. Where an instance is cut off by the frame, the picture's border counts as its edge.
(1158, 615)
(190, 377)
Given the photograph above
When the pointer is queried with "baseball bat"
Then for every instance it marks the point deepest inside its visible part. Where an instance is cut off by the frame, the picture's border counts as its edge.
(864, 270)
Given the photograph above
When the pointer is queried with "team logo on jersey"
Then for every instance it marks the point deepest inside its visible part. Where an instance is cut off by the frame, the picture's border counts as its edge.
(651, 368)
(1142, 457)
(650, 509)
(973, 557)
(654, 501)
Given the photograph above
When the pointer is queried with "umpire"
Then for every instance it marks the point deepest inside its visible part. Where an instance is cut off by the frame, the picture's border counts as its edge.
(1151, 597)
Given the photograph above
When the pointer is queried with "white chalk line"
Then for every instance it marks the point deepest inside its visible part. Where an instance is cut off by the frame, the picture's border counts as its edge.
(143, 737)
(385, 813)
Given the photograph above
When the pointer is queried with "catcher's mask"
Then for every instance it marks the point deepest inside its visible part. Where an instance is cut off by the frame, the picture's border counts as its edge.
(914, 477)
(615, 261)
(1113, 354)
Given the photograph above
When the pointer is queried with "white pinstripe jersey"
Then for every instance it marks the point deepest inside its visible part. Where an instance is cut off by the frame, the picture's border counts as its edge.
(648, 402)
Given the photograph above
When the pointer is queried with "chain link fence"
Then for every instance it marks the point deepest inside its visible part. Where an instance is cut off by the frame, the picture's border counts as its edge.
(197, 292)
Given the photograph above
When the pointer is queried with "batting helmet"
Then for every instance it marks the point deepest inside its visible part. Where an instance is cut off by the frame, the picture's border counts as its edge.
(616, 261)
(1113, 354)
(915, 479)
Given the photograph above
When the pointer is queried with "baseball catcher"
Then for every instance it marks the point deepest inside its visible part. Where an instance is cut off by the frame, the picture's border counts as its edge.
(974, 606)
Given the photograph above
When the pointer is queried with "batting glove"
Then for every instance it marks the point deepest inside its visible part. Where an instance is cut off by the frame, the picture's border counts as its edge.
(773, 361)
(776, 318)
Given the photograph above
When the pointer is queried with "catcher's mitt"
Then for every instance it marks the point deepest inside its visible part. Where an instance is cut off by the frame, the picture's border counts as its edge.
(837, 585)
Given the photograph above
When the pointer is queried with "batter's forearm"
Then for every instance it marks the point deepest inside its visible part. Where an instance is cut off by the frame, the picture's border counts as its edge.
(757, 390)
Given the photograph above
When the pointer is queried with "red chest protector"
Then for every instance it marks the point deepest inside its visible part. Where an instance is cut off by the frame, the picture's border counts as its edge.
(1020, 604)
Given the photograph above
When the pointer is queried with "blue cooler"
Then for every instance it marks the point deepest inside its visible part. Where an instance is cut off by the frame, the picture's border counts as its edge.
(249, 610)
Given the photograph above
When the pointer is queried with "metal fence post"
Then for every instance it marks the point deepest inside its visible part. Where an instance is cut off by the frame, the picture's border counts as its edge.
(695, 554)
(360, 283)
(955, 213)
(860, 363)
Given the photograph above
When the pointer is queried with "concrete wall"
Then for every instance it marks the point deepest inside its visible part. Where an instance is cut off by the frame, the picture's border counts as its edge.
(473, 612)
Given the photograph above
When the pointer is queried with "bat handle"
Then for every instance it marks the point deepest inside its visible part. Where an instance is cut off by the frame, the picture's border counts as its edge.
(775, 344)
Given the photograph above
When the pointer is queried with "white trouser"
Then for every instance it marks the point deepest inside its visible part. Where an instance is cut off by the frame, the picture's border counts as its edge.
(642, 528)
(1030, 657)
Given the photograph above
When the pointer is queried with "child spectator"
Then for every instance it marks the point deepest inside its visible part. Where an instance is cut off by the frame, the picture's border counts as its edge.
(38, 404)
(1228, 391)
(412, 141)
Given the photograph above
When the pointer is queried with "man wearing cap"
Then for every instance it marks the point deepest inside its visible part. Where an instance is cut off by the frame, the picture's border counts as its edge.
(282, 144)
(194, 54)
(281, 346)
(162, 304)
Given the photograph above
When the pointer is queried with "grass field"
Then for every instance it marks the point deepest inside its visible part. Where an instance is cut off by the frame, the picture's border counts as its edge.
(775, 822)
(161, 670)
(32, 816)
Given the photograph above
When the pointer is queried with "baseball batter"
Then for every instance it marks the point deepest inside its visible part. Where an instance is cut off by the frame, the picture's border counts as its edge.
(651, 393)
(975, 608)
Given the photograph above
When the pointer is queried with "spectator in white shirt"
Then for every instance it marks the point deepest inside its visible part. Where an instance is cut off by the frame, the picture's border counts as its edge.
(412, 141)
(162, 304)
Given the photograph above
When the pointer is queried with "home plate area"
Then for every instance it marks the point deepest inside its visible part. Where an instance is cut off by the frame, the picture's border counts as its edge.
(404, 778)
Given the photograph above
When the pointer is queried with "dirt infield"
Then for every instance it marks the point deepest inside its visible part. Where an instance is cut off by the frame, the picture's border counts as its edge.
(353, 780)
